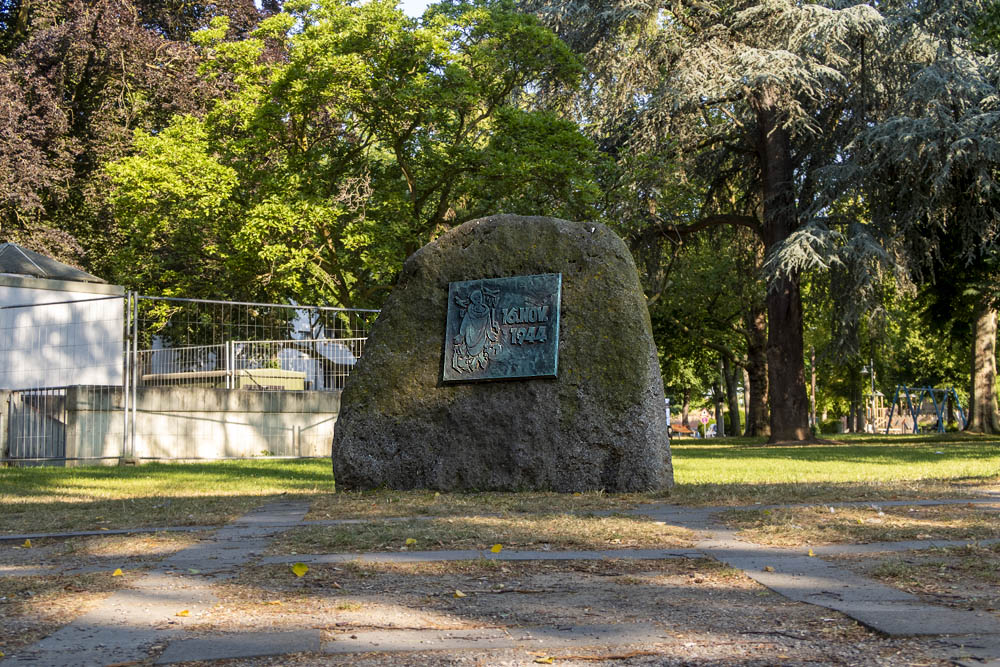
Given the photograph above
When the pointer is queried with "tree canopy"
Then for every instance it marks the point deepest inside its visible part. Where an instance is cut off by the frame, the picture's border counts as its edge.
(348, 137)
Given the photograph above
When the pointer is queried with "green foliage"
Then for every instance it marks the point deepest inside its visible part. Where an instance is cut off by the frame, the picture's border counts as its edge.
(352, 135)
(174, 197)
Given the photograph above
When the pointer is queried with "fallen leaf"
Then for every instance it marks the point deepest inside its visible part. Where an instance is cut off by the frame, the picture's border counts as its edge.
(117, 573)
(811, 553)
(299, 569)
(27, 544)
(547, 660)
(459, 594)
(410, 540)
(496, 548)
(183, 612)
(273, 602)
(768, 568)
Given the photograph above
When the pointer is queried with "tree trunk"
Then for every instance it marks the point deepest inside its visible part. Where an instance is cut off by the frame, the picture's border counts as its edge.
(746, 400)
(755, 330)
(732, 395)
(785, 368)
(983, 416)
(686, 407)
(720, 421)
(785, 364)
(812, 386)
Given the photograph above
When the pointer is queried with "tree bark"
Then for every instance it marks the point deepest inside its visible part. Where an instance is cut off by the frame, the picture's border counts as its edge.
(983, 416)
(732, 396)
(686, 407)
(720, 420)
(755, 330)
(785, 363)
(746, 400)
(812, 386)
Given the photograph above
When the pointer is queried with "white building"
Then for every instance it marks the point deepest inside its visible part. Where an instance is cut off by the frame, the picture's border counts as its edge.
(59, 326)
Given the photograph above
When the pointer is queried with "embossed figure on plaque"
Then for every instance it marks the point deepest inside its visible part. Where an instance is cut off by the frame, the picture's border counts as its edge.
(478, 338)
(502, 328)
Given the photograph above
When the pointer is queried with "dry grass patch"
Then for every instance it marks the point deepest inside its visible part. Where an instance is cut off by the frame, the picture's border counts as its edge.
(967, 577)
(387, 503)
(808, 491)
(33, 606)
(407, 595)
(815, 525)
(111, 550)
(554, 531)
(59, 513)
(50, 499)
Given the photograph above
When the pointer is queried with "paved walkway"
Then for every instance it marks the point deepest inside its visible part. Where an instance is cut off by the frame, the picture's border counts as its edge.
(135, 623)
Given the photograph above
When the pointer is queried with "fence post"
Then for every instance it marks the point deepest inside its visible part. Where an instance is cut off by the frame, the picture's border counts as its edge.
(4, 423)
(135, 372)
(127, 370)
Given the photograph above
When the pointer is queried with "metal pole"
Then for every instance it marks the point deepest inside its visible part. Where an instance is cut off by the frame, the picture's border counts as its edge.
(135, 369)
(128, 370)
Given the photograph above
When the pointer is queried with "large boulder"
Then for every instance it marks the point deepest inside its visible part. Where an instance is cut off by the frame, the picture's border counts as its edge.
(599, 424)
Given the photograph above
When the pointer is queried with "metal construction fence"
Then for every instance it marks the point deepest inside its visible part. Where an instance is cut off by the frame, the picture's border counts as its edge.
(137, 378)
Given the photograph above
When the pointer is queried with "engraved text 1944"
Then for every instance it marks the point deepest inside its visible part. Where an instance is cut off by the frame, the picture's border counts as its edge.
(502, 328)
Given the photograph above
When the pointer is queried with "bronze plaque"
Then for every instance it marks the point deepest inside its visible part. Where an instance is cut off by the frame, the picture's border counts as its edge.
(502, 328)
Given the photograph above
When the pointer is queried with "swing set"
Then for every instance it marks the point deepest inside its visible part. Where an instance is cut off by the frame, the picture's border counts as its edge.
(922, 409)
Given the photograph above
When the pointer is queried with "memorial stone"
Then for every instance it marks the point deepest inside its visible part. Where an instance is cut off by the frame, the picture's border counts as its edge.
(515, 353)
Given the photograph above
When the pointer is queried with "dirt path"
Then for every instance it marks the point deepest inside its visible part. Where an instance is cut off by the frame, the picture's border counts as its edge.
(724, 602)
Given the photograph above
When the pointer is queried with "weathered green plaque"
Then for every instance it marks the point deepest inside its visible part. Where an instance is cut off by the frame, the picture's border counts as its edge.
(502, 328)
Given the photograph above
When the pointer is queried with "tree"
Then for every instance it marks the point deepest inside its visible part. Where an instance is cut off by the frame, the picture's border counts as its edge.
(930, 171)
(754, 96)
(350, 137)
(77, 78)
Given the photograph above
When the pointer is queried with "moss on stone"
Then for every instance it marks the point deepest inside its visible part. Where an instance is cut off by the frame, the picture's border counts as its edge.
(600, 424)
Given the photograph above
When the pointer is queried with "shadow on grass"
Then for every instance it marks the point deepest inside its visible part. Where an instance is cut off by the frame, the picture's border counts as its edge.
(745, 494)
(913, 449)
(285, 476)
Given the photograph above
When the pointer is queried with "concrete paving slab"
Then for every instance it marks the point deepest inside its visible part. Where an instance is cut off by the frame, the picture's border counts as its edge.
(117, 531)
(127, 624)
(83, 645)
(815, 581)
(471, 554)
(242, 645)
(911, 620)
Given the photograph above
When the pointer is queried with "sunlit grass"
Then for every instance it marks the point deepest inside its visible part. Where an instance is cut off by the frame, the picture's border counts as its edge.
(742, 471)
(41, 499)
(738, 471)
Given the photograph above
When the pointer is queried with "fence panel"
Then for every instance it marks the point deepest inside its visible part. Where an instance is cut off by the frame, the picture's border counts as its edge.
(142, 378)
(214, 380)
(49, 352)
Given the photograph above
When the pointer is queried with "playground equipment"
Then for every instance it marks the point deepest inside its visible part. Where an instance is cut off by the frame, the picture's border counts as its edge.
(876, 412)
(921, 408)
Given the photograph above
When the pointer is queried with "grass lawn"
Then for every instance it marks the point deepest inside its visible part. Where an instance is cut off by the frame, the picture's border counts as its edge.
(740, 471)
(732, 471)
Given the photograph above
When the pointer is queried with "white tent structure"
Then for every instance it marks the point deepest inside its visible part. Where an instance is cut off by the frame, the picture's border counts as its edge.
(59, 326)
